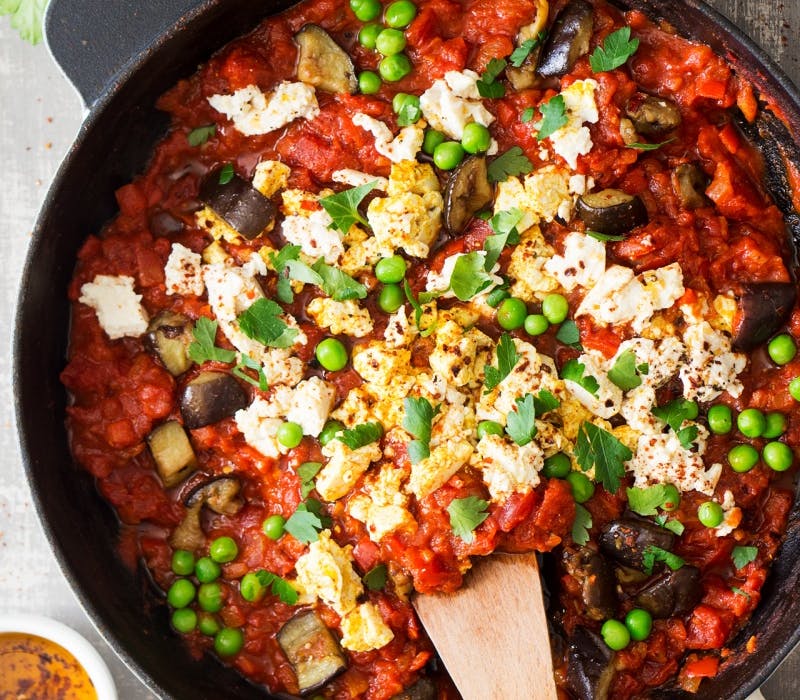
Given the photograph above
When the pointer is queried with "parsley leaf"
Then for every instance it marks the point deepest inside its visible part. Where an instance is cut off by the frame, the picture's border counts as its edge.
(507, 359)
(361, 435)
(418, 418)
(303, 524)
(416, 304)
(527, 115)
(247, 362)
(469, 276)
(307, 473)
(581, 525)
(653, 554)
(573, 371)
(226, 174)
(487, 85)
(649, 146)
(569, 334)
(518, 55)
(343, 206)
(338, 285)
(605, 237)
(27, 17)
(675, 526)
(544, 401)
(504, 225)
(262, 322)
(554, 117)
(600, 449)
(198, 136)
(687, 436)
(512, 162)
(617, 48)
(624, 373)
(674, 413)
(521, 424)
(645, 501)
(202, 348)
(742, 556)
(279, 587)
(375, 578)
(465, 515)
(280, 261)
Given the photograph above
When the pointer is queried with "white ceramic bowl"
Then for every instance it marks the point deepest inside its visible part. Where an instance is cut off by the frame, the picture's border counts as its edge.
(73, 642)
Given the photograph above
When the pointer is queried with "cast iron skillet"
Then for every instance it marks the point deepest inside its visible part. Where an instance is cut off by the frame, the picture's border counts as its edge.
(95, 39)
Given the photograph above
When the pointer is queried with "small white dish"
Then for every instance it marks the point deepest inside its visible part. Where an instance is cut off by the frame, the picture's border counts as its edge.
(70, 640)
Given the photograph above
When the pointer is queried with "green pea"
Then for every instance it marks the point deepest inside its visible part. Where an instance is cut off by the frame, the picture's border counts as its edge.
(794, 388)
(400, 14)
(206, 570)
(776, 425)
(207, 624)
(710, 514)
(496, 297)
(751, 423)
(289, 434)
(511, 313)
(329, 431)
(273, 526)
(672, 498)
(402, 99)
(391, 298)
(251, 588)
(555, 308)
(184, 620)
(223, 550)
(183, 562)
(448, 155)
(365, 10)
(557, 466)
(615, 635)
(228, 641)
(390, 42)
(369, 83)
(209, 597)
(536, 324)
(692, 409)
(476, 138)
(390, 270)
(582, 486)
(395, 67)
(639, 623)
(489, 427)
(782, 349)
(331, 354)
(369, 35)
(432, 139)
(720, 419)
(742, 458)
(778, 456)
(181, 593)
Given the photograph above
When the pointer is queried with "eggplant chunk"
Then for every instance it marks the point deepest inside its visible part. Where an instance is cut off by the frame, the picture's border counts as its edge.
(653, 116)
(468, 191)
(168, 337)
(689, 183)
(239, 204)
(591, 569)
(589, 665)
(671, 593)
(312, 650)
(220, 494)
(762, 308)
(423, 689)
(525, 77)
(323, 63)
(172, 452)
(210, 397)
(189, 533)
(625, 540)
(568, 40)
(612, 212)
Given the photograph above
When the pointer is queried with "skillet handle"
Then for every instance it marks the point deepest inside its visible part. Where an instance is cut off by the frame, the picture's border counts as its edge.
(93, 40)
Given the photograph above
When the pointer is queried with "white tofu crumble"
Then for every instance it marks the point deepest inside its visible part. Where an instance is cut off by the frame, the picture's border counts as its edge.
(182, 272)
(574, 139)
(712, 367)
(450, 104)
(341, 317)
(344, 468)
(270, 177)
(509, 468)
(356, 178)
(404, 146)
(607, 400)
(312, 232)
(581, 265)
(116, 304)
(311, 403)
(363, 629)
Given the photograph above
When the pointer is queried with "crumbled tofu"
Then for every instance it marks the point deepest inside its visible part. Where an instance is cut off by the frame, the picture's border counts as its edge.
(118, 308)
(582, 263)
(182, 273)
(434, 471)
(574, 139)
(312, 232)
(731, 516)
(312, 400)
(379, 364)
(341, 317)
(663, 358)
(459, 355)
(270, 177)
(712, 367)
(450, 104)
(326, 573)
(259, 424)
(532, 282)
(608, 398)
(382, 506)
(215, 252)
(399, 331)
(344, 468)
(509, 468)
(637, 409)
(363, 629)
(543, 195)
(253, 113)
(216, 227)
(724, 312)
(404, 146)
(355, 178)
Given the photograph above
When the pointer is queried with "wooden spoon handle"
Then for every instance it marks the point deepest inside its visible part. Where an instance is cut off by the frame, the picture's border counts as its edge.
(492, 633)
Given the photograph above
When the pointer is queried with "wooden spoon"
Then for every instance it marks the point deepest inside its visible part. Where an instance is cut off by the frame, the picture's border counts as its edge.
(492, 634)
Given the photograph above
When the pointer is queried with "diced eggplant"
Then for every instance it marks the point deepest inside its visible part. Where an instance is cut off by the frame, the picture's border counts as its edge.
(312, 650)
(590, 668)
(568, 40)
(241, 206)
(625, 540)
(689, 183)
(612, 212)
(629, 577)
(169, 336)
(525, 77)
(172, 452)
(468, 191)
(671, 592)
(653, 116)
(210, 397)
(323, 63)
(592, 571)
(423, 689)
(220, 494)
(762, 308)
(189, 533)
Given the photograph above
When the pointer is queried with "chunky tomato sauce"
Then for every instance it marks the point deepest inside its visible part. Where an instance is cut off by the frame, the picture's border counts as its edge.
(121, 391)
